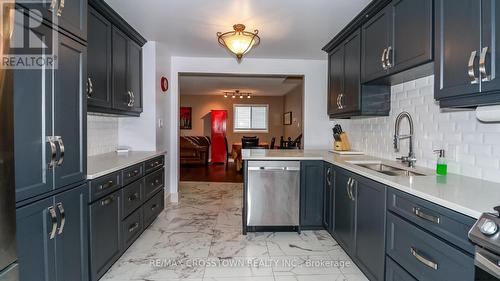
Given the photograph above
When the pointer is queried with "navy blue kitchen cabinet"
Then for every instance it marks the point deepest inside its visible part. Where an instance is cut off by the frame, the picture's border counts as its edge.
(52, 237)
(360, 212)
(69, 112)
(424, 256)
(328, 193)
(466, 53)
(311, 194)
(50, 120)
(99, 66)
(387, 47)
(370, 200)
(394, 272)
(66, 16)
(344, 211)
(115, 75)
(105, 234)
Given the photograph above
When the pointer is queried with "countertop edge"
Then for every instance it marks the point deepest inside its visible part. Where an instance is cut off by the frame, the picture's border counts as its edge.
(124, 165)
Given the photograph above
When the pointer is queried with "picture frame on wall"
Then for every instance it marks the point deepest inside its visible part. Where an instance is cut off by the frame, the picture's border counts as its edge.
(287, 118)
(185, 118)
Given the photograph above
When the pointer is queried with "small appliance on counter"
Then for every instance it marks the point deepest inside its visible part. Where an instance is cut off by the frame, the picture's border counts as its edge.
(485, 234)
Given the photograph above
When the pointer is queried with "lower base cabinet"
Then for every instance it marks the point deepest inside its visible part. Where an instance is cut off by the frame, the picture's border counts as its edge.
(52, 237)
(105, 234)
(359, 211)
(311, 195)
(394, 272)
(117, 219)
(425, 256)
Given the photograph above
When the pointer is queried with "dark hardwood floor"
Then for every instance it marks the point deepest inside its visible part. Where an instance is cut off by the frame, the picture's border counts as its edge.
(211, 173)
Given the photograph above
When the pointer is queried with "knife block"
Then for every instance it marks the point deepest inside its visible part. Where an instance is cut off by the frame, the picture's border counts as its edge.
(343, 144)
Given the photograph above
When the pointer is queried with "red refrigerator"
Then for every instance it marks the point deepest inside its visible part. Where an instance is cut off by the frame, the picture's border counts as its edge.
(218, 125)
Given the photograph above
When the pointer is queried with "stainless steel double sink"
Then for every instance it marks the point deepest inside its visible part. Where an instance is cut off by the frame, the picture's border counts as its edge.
(387, 169)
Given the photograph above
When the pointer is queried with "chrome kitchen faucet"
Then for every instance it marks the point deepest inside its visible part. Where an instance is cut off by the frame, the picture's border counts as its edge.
(410, 159)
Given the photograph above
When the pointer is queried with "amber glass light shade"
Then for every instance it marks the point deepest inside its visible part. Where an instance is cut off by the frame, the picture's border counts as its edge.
(239, 42)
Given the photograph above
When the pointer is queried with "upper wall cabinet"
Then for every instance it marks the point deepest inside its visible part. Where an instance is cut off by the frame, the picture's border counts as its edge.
(466, 53)
(99, 62)
(67, 16)
(397, 38)
(346, 96)
(114, 82)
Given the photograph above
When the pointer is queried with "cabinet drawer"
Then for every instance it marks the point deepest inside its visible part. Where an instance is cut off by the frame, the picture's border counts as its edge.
(132, 228)
(424, 256)
(132, 197)
(394, 272)
(154, 164)
(154, 182)
(442, 222)
(133, 173)
(153, 208)
(104, 185)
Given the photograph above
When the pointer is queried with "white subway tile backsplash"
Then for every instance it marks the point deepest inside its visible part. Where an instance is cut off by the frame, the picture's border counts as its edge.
(102, 134)
(472, 147)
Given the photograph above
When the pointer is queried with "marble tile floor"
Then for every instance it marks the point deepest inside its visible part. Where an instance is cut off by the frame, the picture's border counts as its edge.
(199, 239)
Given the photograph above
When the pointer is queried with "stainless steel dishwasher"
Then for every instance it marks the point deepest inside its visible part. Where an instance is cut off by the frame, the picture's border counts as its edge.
(273, 193)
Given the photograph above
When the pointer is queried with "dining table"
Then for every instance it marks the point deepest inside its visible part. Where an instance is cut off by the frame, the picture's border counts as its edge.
(236, 153)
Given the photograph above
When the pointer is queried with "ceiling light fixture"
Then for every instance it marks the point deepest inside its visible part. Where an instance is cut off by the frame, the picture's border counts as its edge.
(248, 95)
(239, 41)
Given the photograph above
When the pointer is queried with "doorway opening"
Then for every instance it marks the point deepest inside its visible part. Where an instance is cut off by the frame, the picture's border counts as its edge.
(220, 114)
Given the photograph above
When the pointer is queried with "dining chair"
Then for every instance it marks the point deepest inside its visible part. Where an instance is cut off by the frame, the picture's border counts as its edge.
(249, 143)
(273, 141)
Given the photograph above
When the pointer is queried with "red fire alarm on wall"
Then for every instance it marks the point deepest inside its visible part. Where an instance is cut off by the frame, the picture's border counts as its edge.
(164, 84)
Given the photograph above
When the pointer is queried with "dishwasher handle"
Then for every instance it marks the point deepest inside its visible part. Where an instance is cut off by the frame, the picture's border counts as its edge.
(273, 168)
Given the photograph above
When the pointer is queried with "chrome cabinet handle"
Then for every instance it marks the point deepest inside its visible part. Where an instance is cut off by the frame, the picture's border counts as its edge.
(154, 206)
(471, 72)
(338, 102)
(384, 65)
(419, 213)
(107, 185)
(341, 101)
(61, 151)
(347, 188)
(133, 97)
(387, 58)
(53, 152)
(107, 201)
(60, 9)
(133, 227)
(133, 197)
(328, 181)
(90, 87)
(52, 5)
(63, 218)
(130, 99)
(351, 190)
(157, 181)
(53, 219)
(482, 65)
(133, 174)
(422, 259)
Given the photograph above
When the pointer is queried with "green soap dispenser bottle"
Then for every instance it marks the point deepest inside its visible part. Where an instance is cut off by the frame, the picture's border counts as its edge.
(442, 166)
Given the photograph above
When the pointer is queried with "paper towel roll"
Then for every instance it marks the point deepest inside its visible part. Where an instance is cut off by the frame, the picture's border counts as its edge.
(488, 113)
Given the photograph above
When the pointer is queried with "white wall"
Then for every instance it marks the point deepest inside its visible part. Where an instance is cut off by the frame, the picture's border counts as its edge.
(140, 132)
(472, 148)
(317, 126)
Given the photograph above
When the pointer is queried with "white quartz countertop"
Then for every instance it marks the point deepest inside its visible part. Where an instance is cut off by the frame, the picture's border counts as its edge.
(466, 195)
(103, 164)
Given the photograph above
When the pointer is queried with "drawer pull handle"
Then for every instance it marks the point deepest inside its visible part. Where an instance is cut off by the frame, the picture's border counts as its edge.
(156, 163)
(133, 197)
(107, 185)
(107, 201)
(133, 174)
(53, 219)
(133, 227)
(157, 181)
(154, 207)
(63, 218)
(422, 259)
(419, 213)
